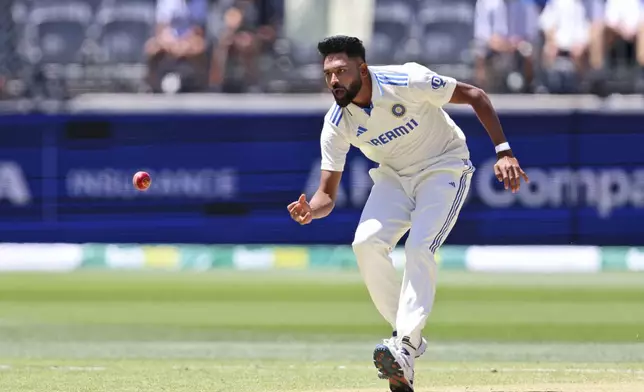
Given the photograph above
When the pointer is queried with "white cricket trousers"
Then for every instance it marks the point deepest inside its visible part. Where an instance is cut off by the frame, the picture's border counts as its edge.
(428, 203)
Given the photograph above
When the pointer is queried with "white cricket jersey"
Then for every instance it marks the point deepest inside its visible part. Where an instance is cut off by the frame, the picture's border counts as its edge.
(405, 128)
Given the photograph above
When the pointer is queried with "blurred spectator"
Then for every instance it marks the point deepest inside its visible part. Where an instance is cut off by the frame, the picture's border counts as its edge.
(177, 52)
(2, 86)
(595, 15)
(623, 19)
(566, 27)
(625, 29)
(555, 46)
(9, 60)
(505, 31)
(249, 28)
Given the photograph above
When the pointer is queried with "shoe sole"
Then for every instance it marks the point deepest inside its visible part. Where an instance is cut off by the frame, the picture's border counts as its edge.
(386, 364)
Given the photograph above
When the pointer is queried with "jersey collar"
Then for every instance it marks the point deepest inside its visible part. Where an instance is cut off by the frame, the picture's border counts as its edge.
(376, 93)
(376, 87)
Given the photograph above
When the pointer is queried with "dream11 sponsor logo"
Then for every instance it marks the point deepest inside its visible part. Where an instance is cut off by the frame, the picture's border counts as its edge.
(109, 183)
(13, 185)
(605, 189)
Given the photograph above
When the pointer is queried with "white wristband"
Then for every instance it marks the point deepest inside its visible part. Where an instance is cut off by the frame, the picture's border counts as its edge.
(502, 147)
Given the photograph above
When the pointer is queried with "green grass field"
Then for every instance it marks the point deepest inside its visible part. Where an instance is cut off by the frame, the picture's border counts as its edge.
(314, 331)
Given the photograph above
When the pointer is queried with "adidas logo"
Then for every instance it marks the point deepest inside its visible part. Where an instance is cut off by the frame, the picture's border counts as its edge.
(361, 130)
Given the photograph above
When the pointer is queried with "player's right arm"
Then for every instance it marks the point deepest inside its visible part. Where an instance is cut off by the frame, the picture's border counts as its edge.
(323, 201)
(334, 146)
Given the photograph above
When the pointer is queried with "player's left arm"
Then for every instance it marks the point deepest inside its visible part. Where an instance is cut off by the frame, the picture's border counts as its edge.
(507, 168)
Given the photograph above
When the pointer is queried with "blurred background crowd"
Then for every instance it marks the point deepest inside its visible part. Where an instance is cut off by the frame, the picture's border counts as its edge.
(61, 48)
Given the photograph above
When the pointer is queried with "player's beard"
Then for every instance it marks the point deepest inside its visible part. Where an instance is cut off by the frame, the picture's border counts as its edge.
(349, 95)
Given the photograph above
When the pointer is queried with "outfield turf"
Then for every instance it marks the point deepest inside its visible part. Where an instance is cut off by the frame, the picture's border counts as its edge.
(314, 331)
(274, 376)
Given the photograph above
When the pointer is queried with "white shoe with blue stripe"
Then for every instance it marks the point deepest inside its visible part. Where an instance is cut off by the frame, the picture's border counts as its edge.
(395, 362)
(419, 352)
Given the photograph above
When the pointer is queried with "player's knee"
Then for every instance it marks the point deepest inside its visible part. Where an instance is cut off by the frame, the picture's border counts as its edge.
(367, 239)
(364, 245)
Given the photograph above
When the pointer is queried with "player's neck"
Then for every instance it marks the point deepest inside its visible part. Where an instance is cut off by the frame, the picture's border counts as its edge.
(363, 99)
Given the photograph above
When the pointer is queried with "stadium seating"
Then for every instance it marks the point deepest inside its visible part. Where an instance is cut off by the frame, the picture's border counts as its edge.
(437, 33)
(98, 45)
(84, 44)
(55, 33)
(123, 33)
(392, 31)
(447, 28)
(122, 29)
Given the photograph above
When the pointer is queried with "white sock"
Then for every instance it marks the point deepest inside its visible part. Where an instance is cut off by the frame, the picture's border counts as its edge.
(406, 343)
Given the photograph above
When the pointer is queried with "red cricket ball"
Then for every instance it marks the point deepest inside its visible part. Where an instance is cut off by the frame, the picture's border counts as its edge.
(141, 181)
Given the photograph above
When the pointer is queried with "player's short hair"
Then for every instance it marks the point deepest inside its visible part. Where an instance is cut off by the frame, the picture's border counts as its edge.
(352, 46)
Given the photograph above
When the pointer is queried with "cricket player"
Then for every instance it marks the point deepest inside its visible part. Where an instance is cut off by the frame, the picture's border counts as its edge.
(394, 115)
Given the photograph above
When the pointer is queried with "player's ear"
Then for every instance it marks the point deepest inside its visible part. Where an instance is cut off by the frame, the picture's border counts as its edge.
(364, 70)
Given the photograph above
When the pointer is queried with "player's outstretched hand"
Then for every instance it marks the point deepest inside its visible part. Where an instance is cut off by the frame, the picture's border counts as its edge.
(300, 211)
(508, 171)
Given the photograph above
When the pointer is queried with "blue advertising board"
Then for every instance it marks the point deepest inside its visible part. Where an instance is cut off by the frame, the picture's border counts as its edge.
(228, 179)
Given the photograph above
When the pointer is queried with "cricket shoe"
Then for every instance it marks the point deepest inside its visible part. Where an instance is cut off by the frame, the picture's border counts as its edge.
(395, 362)
(421, 350)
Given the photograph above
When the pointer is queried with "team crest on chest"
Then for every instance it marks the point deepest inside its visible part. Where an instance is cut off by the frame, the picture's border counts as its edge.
(398, 110)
